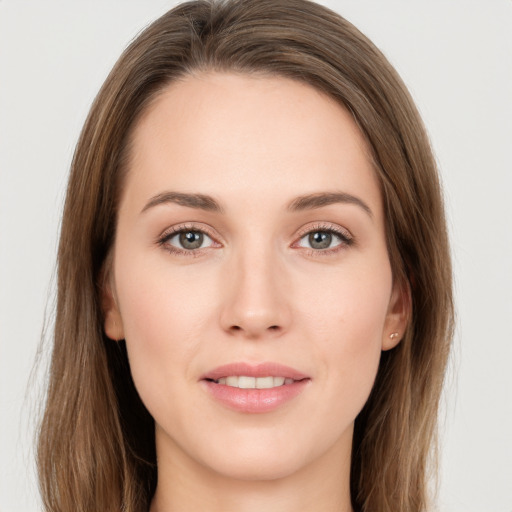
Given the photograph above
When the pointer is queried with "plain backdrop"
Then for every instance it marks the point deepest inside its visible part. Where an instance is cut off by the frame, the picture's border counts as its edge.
(456, 58)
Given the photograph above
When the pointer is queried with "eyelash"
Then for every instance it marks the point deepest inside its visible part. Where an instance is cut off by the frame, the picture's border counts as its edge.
(183, 228)
(346, 239)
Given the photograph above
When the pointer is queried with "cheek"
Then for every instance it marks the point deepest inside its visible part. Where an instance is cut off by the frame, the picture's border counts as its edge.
(350, 307)
(162, 320)
(347, 328)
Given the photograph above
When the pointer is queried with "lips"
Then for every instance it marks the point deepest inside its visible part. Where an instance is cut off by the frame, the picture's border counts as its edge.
(254, 388)
(259, 370)
(248, 382)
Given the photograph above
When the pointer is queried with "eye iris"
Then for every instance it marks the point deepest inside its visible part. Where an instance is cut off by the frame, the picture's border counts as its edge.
(191, 239)
(320, 240)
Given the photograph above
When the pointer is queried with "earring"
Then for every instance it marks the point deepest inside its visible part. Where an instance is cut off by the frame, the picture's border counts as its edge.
(393, 335)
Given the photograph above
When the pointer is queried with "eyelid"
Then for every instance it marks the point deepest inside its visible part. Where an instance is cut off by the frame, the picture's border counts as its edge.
(190, 226)
(346, 237)
(344, 233)
(169, 232)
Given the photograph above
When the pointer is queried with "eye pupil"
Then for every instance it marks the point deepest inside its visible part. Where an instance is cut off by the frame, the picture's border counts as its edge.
(191, 239)
(320, 239)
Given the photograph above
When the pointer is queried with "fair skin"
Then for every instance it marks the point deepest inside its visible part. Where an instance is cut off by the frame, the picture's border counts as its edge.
(260, 277)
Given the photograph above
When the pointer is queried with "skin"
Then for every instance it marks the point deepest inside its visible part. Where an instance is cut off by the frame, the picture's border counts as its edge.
(254, 292)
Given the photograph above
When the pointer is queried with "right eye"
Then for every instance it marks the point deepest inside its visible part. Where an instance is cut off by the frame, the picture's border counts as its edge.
(188, 240)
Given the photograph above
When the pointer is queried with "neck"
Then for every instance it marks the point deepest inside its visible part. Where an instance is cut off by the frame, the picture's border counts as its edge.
(185, 484)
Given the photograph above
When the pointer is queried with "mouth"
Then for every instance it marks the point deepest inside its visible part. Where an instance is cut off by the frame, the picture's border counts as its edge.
(254, 388)
(248, 382)
(254, 376)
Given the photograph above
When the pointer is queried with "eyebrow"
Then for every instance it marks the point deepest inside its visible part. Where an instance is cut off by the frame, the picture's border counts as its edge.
(301, 203)
(318, 200)
(199, 201)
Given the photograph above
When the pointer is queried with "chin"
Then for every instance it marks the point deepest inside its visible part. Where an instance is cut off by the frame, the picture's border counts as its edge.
(264, 456)
(257, 468)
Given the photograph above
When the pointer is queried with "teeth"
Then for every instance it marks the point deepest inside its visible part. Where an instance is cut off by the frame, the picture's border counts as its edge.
(279, 381)
(267, 382)
(245, 382)
(232, 381)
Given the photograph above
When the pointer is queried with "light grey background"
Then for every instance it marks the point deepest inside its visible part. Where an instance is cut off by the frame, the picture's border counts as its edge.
(455, 56)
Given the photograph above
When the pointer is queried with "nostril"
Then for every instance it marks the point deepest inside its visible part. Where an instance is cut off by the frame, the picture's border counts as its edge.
(236, 328)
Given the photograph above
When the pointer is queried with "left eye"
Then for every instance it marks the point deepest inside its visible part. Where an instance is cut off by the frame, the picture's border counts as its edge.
(189, 240)
(320, 240)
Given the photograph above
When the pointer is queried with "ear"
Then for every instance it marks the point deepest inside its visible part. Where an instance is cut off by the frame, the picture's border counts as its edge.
(398, 315)
(113, 324)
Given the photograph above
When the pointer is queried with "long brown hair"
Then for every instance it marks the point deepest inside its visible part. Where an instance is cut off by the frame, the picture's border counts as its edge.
(96, 443)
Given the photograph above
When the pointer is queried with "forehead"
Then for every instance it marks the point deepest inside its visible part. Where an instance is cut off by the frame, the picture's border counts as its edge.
(233, 136)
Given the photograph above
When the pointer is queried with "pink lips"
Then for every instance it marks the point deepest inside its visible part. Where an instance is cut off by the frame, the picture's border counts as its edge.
(254, 400)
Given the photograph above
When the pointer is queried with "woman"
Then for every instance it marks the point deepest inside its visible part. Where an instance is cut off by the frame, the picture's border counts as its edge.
(254, 288)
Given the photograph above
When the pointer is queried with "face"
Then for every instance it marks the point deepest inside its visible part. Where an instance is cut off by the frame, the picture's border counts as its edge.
(251, 234)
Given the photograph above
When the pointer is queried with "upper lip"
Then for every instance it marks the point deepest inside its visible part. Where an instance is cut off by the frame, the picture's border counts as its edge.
(266, 369)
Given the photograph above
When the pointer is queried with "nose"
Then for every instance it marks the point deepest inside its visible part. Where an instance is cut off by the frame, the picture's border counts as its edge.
(255, 303)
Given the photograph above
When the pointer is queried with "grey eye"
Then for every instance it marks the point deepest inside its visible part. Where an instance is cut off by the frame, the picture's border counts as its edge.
(190, 240)
(320, 240)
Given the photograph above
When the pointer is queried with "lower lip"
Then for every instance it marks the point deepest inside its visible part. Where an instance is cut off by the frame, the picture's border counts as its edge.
(255, 400)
